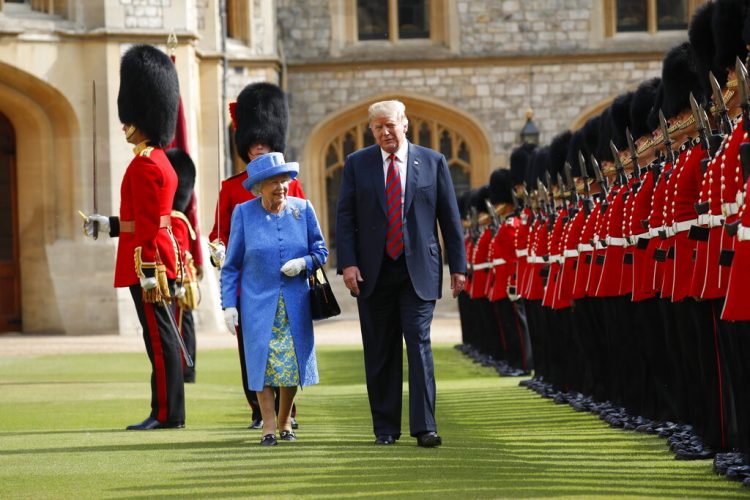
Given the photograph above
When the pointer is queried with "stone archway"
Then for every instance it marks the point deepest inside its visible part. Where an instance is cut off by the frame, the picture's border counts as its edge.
(433, 123)
(46, 132)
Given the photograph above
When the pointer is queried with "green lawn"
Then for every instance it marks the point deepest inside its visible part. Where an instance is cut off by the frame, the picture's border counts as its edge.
(62, 421)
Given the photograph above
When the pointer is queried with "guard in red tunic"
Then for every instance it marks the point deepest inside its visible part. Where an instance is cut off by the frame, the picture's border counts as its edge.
(146, 250)
(260, 118)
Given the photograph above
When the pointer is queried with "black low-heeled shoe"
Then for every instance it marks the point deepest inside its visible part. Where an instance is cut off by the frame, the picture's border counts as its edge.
(288, 436)
(268, 440)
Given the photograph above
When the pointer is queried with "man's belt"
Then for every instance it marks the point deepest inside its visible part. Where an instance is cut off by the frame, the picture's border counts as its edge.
(728, 209)
(483, 265)
(498, 262)
(616, 242)
(740, 198)
(654, 232)
(128, 226)
(681, 227)
(585, 247)
(571, 252)
(555, 258)
(535, 260)
(715, 220)
(522, 252)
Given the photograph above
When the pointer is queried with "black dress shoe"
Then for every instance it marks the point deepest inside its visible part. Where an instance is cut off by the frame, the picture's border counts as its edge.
(295, 425)
(268, 440)
(385, 439)
(287, 436)
(429, 440)
(151, 423)
(257, 423)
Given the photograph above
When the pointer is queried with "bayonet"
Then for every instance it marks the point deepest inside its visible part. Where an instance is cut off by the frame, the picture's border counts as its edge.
(493, 214)
(665, 138)
(721, 107)
(633, 154)
(743, 90)
(619, 168)
(699, 125)
(570, 183)
(599, 177)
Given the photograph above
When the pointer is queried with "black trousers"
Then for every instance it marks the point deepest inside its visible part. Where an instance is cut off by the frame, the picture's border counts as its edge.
(250, 395)
(395, 311)
(162, 347)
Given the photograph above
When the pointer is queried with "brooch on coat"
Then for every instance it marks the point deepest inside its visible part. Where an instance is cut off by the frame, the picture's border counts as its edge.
(295, 213)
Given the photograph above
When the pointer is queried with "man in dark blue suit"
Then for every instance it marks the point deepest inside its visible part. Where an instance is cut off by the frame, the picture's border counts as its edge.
(393, 195)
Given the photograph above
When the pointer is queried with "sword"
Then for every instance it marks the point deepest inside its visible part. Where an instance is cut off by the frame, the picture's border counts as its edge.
(93, 131)
(176, 331)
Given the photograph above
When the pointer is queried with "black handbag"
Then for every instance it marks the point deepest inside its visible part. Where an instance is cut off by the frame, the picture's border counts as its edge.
(323, 303)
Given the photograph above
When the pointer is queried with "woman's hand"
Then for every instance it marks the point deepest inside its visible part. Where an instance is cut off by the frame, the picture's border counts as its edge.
(294, 267)
(232, 319)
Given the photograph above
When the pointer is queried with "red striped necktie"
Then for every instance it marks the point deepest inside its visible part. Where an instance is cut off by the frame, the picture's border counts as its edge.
(394, 240)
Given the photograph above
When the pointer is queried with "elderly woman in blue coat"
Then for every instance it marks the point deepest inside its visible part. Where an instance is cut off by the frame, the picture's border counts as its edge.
(272, 243)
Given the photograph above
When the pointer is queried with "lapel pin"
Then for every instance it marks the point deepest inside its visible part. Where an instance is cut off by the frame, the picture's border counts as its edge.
(295, 213)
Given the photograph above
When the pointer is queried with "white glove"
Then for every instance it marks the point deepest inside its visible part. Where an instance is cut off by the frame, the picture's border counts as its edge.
(294, 267)
(232, 319)
(218, 252)
(180, 292)
(148, 283)
(88, 224)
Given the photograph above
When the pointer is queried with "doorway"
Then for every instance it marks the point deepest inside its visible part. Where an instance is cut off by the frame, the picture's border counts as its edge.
(10, 276)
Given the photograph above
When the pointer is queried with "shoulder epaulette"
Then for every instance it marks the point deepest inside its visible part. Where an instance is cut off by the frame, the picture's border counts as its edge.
(183, 218)
(146, 151)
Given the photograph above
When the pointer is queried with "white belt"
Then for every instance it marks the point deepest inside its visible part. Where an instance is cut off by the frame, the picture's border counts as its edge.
(522, 253)
(743, 233)
(644, 236)
(668, 230)
(498, 262)
(616, 242)
(585, 247)
(680, 227)
(599, 245)
(703, 219)
(483, 265)
(728, 209)
(740, 198)
(555, 258)
(715, 220)
(536, 260)
(572, 252)
(654, 232)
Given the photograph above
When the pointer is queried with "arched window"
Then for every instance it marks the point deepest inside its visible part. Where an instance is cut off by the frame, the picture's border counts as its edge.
(422, 131)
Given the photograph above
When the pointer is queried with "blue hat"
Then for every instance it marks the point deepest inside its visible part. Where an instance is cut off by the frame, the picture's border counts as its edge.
(268, 165)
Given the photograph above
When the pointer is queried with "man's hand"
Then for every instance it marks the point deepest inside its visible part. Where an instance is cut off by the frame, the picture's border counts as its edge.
(352, 279)
(199, 272)
(149, 283)
(218, 252)
(88, 224)
(458, 281)
(294, 267)
(232, 319)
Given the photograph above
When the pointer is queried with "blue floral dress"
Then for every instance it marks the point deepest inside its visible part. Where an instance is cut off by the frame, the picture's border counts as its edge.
(281, 369)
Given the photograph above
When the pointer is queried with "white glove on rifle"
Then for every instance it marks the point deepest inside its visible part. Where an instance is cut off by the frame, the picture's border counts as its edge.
(218, 252)
(294, 267)
(232, 319)
(148, 283)
(102, 220)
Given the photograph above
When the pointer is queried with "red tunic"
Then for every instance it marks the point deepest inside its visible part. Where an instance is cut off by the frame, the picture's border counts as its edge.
(643, 262)
(611, 273)
(597, 256)
(555, 259)
(522, 252)
(146, 194)
(233, 193)
(586, 252)
(687, 183)
(571, 237)
(481, 265)
(504, 259)
(538, 255)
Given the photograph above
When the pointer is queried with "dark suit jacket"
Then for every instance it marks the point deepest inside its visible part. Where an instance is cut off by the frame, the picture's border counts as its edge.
(429, 199)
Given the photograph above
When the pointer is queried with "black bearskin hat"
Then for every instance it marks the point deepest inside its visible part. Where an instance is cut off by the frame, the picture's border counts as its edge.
(679, 76)
(261, 116)
(501, 186)
(603, 151)
(482, 193)
(185, 168)
(652, 122)
(621, 119)
(729, 19)
(591, 133)
(464, 201)
(538, 165)
(149, 93)
(577, 144)
(558, 153)
(519, 161)
(640, 107)
(701, 36)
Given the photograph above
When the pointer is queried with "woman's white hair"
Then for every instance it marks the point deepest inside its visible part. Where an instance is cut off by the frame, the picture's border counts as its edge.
(381, 109)
(255, 189)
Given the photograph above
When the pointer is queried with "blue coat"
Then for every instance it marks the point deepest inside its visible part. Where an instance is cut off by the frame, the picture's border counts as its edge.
(259, 244)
